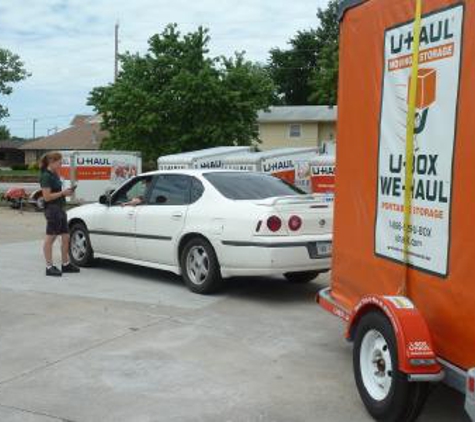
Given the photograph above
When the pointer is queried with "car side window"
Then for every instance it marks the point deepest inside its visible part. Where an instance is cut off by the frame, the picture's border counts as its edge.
(170, 189)
(135, 189)
(197, 190)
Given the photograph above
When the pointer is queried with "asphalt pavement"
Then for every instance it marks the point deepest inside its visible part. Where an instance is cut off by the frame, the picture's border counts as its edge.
(123, 343)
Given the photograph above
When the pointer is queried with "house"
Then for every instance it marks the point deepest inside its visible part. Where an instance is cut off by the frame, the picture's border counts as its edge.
(10, 153)
(84, 133)
(297, 126)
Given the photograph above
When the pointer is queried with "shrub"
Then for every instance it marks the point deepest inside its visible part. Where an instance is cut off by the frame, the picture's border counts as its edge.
(34, 166)
(19, 167)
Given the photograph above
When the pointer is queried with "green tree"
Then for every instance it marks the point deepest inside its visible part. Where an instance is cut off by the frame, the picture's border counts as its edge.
(11, 71)
(291, 69)
(324, 79)
(177, 98)
(4, 133)
(307, 72)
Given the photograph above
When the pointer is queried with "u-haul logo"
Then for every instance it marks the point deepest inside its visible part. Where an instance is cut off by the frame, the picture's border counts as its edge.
(434, 32)
(417, 348)
(278, 166)
(93, 161)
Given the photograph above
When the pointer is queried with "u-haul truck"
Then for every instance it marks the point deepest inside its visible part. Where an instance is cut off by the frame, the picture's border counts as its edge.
(281, 162)
(95, 172)
(209, 158)
(322, 175)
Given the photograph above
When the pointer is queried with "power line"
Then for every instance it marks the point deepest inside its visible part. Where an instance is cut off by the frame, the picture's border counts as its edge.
(23, 119)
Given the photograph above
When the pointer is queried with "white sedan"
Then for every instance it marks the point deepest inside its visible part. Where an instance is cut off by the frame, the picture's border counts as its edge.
(206, 225)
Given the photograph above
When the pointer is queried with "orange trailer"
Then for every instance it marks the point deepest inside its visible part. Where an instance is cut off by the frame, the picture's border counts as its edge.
(403, 275)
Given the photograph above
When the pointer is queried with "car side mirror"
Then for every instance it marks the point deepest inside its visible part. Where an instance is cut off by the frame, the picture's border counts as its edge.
(105, 200)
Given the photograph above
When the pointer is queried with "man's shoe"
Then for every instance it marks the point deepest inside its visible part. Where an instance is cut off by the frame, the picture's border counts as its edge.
(70, 268)
(53, 272)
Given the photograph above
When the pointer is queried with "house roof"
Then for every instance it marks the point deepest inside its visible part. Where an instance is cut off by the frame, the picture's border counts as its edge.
(12, 144)
(288, 114)
(85, 134)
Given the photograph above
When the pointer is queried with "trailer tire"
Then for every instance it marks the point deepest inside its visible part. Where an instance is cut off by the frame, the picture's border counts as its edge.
(385, 391)
(80, 248)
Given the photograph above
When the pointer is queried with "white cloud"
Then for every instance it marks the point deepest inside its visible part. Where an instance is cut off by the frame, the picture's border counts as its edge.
(67, 45)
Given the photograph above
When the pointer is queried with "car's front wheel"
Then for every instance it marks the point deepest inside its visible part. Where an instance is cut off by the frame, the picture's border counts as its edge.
(386, 392)
(80, 249)
(200, 266)
(301, 277)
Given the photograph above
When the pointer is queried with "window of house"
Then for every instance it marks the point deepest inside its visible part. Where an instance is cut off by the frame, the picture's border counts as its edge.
(295, 130)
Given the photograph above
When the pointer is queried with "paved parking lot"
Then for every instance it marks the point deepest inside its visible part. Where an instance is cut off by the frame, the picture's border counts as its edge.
(121, 343)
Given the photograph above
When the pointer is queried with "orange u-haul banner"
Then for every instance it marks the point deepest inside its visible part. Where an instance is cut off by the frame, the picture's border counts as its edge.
(369, 230)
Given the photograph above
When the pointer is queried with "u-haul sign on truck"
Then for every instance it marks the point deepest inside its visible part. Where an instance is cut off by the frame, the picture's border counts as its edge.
(95, 172)
(281, 163)
(323, 175)
(428, 234)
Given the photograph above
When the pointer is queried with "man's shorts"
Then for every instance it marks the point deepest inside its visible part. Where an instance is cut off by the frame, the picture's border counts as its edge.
(56, 220)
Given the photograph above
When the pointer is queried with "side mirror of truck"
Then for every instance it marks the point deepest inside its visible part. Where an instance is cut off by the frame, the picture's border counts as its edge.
(105, 200)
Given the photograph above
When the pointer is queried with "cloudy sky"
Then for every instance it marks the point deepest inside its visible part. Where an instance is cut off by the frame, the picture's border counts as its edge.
(67, 45)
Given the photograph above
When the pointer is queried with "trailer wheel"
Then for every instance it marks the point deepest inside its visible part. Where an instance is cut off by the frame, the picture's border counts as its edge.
(386, 392)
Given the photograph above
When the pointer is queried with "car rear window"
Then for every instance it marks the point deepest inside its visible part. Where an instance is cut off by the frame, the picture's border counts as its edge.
(243, 186)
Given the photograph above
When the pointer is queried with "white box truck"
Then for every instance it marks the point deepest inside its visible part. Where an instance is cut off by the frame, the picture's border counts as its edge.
(322, 176)
(209, 158)
(95, 172)
(280, 162)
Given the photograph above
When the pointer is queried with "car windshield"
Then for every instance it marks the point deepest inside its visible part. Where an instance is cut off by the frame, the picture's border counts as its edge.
(244, 186)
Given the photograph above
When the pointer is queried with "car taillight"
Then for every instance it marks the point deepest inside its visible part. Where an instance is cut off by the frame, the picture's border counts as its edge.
(295, 222)
(471, 385)
(274, 223)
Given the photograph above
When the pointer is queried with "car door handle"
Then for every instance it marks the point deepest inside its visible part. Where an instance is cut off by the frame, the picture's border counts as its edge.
(131, 214)
(177, 215)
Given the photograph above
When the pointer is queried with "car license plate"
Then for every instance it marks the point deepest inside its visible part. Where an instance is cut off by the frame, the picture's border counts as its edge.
(319, 250)
(324, 248)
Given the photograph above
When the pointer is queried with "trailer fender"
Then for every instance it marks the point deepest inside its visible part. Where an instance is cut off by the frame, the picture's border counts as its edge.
(414, 343)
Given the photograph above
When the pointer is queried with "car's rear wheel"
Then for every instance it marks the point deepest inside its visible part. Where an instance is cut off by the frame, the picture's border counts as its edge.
(386, 392)
(200, 266)
(80, 249)
(301, 277)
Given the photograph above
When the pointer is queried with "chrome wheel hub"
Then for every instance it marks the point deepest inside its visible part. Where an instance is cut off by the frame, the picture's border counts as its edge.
(197, 265)
(78, 245)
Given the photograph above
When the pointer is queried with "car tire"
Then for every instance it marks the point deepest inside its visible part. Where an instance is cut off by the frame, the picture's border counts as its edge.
(200, 267)
(80, 248)
(301, 277)
(385, 391)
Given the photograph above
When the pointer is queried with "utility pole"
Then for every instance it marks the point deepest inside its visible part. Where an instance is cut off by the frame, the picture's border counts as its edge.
(116, 51)
(34, 128)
